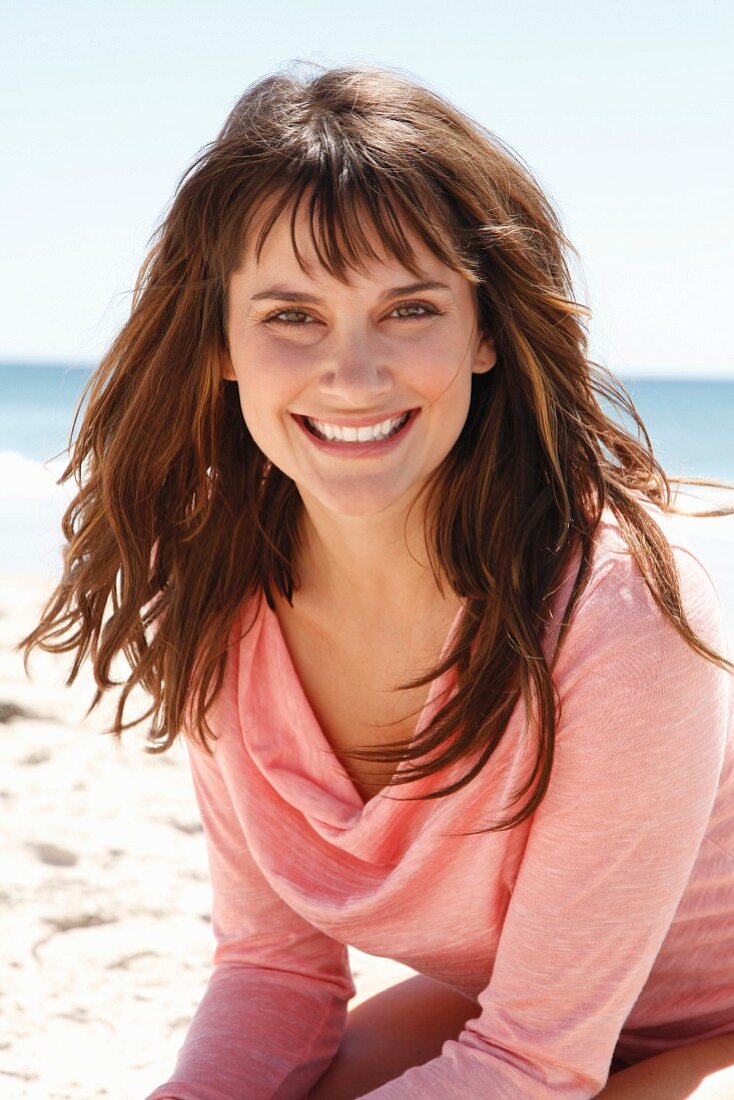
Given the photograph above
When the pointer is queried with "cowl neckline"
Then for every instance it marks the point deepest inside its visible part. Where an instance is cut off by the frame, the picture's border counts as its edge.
(291, 750)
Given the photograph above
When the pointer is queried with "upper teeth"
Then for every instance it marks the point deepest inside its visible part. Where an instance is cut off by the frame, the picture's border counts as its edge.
(356, 435)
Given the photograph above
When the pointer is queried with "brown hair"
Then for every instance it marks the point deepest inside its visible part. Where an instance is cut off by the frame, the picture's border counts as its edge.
(179, 517)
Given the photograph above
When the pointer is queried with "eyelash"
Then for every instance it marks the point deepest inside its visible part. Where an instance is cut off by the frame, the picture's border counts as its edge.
(431, 311)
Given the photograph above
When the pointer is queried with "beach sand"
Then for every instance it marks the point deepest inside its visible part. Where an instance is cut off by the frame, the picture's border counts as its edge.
(105, 914)
(104, 899)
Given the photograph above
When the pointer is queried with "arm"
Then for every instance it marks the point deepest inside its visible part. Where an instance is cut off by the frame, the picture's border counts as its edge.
(638, 755)
(273, 1013)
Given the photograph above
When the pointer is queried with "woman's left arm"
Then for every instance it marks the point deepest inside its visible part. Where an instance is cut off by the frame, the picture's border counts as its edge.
(639, 752)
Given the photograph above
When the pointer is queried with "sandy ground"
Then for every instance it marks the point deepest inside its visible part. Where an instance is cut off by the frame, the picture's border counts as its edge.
(104, 896)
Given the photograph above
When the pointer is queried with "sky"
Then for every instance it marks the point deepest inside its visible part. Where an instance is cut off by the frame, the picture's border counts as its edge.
(621, 110)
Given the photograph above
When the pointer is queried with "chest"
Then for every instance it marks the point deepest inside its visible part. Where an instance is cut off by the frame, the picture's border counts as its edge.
(351, 680)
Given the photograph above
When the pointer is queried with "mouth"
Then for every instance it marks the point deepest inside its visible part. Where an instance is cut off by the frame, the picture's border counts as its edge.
(348, 434)
(356, 440)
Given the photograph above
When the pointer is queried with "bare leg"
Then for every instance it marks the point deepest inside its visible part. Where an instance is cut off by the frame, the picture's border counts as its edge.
(408, 1024)
(400, 1027)
(699, 1071)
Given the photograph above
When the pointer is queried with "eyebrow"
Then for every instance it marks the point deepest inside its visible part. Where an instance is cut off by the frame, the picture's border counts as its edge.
(283, 294)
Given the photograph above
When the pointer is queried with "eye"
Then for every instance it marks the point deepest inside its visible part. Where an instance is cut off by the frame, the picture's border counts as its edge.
(428, 310)
(277, 318)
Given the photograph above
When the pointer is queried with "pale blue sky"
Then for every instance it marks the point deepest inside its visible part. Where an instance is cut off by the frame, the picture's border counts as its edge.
(622, 110)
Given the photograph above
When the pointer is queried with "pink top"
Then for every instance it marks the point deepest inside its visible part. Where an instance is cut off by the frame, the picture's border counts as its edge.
(603, 923)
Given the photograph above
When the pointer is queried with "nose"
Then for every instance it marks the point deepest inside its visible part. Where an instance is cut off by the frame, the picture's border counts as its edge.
(355, 375)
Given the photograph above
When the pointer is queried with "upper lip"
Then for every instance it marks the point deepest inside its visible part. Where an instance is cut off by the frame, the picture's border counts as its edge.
(357, 422)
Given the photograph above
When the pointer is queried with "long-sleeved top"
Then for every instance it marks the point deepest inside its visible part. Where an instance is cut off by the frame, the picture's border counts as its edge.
(603, 924)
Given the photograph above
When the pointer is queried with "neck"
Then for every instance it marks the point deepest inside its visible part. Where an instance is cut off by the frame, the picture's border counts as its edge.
(362, 564)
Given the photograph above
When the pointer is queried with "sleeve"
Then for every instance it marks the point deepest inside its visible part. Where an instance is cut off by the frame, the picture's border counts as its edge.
(274, 1010)
(639, 750)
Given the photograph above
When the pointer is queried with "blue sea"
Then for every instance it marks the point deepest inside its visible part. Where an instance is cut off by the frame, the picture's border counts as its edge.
(690, 423)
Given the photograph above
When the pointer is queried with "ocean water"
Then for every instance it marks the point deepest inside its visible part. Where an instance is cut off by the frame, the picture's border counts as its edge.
(690, 423)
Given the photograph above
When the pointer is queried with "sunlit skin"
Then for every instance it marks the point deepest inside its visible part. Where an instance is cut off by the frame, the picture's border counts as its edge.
(359, 351)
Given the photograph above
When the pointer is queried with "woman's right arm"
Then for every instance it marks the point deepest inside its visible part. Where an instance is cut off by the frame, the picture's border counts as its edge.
(274, 1010)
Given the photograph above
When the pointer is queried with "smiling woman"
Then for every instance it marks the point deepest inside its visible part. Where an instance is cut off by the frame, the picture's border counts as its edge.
(346, 480)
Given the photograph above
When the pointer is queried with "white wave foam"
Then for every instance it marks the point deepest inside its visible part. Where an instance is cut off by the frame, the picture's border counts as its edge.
(22, 478)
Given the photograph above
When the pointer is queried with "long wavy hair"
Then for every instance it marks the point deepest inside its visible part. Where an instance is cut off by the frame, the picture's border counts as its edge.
(179, 517)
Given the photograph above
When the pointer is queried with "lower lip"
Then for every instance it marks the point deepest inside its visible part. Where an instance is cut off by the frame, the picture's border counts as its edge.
(374, 447)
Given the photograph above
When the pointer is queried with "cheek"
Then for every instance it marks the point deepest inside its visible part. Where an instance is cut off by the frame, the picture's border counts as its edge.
(264, 398)
(264, 380)
(274, 378)
(443, 373)
(444, 348)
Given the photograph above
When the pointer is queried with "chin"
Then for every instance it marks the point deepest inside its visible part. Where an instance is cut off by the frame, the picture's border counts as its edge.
(354, 501)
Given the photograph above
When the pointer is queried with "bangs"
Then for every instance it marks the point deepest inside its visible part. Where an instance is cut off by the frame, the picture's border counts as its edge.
(343, 208)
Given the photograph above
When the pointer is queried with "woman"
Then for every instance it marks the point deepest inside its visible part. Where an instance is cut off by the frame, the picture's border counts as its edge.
(398, 570)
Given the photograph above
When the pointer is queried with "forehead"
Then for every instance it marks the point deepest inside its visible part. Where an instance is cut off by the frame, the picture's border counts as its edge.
(293, 240)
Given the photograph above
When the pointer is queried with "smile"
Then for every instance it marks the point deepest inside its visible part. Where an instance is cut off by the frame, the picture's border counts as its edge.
(345, 434)
(370, 439)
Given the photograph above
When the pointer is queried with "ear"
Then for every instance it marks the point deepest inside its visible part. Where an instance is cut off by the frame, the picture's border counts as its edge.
(485, 356)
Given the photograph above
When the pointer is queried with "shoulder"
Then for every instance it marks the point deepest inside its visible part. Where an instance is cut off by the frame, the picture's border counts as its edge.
(616, 579)
(617, 611)
(629, 686)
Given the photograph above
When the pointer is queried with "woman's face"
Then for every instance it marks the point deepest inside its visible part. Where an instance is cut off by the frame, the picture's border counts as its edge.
(314, 358)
